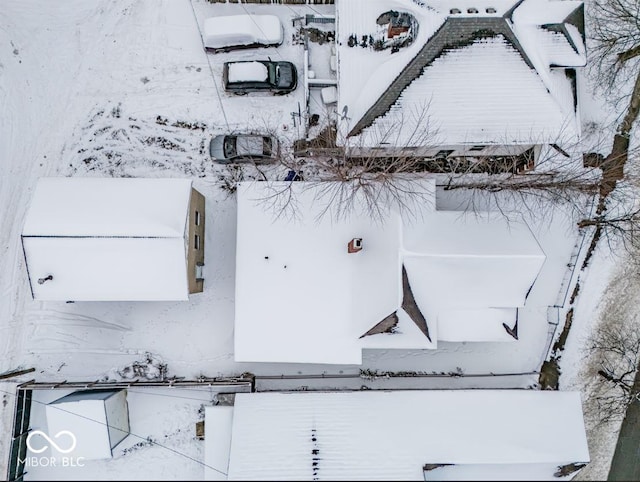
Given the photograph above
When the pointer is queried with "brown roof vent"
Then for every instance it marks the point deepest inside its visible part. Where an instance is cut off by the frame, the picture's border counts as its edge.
(354, 245)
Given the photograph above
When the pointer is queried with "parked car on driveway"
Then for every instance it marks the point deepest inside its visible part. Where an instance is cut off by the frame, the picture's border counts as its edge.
(237, 148)
(232, 32)
(259, 76)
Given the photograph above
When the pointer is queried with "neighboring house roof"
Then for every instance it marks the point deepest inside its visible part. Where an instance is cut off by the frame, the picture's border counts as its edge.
(302, 298)
(482, 78)
(392, 435)
(108, 239)
(219, 419)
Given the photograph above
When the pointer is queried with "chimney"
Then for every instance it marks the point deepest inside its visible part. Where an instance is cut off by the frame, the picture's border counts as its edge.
(354, 245)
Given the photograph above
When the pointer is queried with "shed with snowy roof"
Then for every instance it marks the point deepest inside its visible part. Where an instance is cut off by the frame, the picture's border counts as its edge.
(466, 78)
(92, 239)
(93, 421)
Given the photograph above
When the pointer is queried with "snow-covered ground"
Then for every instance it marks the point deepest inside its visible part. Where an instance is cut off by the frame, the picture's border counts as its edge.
(124, 88)
(598, 288)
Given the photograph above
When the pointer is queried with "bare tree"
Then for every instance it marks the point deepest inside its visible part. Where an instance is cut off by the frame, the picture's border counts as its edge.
(376, 173)
(612, 349)
(618, 223)
(615, 33)
(597, 192)
(616, 61)
(616, 349)
(386, 170)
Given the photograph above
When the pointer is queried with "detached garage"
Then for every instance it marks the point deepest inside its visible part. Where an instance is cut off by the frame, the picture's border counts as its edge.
(91, 239)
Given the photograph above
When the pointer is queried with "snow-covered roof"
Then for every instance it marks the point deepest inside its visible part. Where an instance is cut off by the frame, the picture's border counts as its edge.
(217, 441)
(95, 422)
(468, 271)
(376, 435)
(544, 12)
(107, 239)
(468, 100)
(471, 234)
(64, 206)
(301, 297)
(498, 88)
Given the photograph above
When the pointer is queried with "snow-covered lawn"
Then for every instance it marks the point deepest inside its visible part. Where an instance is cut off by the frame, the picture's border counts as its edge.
(124, 88)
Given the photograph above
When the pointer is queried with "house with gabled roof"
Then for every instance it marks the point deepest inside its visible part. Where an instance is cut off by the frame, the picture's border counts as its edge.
(469, 78)
(316, 286)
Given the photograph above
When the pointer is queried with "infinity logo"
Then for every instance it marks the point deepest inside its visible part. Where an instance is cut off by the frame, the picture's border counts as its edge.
(48, 439)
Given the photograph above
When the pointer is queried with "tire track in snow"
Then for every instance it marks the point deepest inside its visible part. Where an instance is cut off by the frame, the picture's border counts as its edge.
(67, 318)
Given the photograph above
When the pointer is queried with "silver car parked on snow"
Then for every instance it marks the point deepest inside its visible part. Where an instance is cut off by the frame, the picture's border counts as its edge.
(238, 148)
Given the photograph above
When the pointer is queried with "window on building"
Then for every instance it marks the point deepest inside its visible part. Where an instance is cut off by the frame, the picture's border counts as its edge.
(197, 218)
(443, 154)
(476, 148)
(196, 242)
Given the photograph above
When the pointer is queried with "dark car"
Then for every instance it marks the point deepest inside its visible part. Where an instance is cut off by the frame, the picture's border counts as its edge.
(243, 148)
(259, 76)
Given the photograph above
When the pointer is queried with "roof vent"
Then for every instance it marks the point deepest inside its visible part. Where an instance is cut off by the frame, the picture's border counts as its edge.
(354, 245)
(491, 10)
(455, 11)
(472, 10)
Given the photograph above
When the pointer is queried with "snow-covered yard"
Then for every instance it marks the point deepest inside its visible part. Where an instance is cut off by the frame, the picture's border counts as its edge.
(124, 88)
(162, 444)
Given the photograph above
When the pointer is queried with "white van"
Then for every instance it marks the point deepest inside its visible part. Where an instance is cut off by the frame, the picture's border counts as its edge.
(231, 32)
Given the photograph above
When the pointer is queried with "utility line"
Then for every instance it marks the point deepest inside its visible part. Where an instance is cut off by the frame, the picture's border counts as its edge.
(224, 114)
(153, 442)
